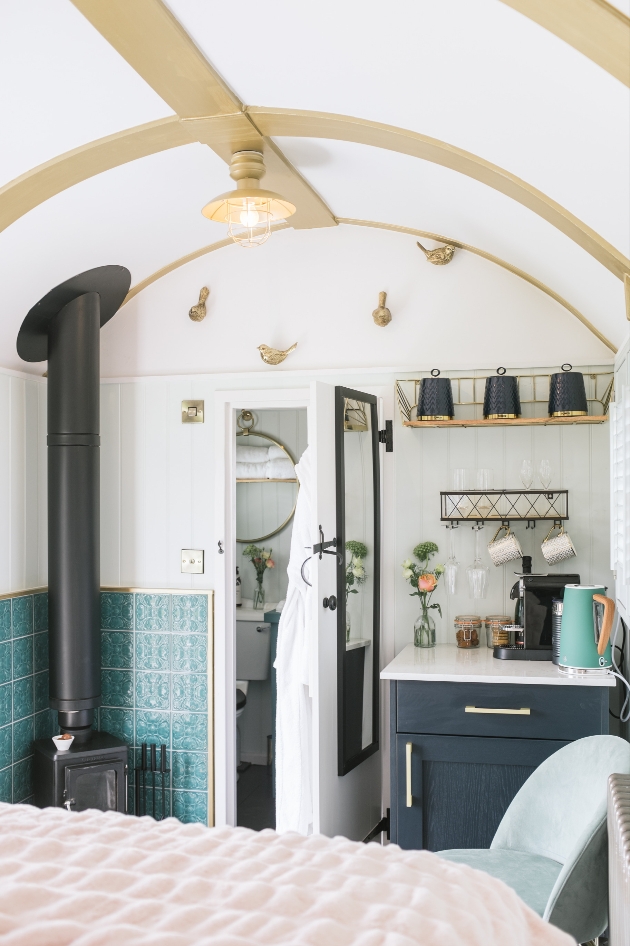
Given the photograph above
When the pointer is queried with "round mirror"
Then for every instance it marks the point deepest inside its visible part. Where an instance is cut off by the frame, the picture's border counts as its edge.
(266, 484)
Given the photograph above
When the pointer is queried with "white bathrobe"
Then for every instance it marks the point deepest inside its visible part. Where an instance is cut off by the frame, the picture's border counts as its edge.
(294, 798)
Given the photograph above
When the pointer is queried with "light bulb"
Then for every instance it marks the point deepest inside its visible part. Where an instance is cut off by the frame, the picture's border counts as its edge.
(249, 217)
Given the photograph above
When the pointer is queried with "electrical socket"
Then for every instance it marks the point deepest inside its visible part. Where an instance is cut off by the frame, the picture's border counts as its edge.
(192, 561)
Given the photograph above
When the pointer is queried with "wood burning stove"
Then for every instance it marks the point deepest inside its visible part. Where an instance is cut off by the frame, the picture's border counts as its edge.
(64, 328)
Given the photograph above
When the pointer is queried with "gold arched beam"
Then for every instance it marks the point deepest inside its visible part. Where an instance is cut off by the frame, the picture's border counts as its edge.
(349, 221)
(595, 28)
(294, 123)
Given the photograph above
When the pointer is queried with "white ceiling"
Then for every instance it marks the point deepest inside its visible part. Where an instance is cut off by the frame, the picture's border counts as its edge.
(62, 85)
(476, 75)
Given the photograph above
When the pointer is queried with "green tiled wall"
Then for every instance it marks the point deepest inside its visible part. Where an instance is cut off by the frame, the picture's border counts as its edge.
(24, 713)
(154, 686)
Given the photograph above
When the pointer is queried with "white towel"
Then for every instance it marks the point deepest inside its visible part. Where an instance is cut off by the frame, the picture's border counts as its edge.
(252, 454)
(272, 469)
(294, 799)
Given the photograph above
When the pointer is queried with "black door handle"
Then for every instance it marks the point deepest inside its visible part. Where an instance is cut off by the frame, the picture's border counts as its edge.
(330, 603)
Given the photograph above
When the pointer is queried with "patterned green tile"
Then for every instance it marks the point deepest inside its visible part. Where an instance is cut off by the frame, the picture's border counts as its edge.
(152, 612)
(6, 704)
(22, 780)
(190, 806)
(23, 657)
(190, 614)
(153, 727)
(23, 734)
(40, 612)
(40, 652)
(153, 690)
(22, 615)
(5, 620)
(117, 688)
(190, 692)
(190, 771)
(190, 731)
(6, 662)
(46, 724)
(42, 692)
(23, 698)
(6, 746)
(6, 785)
(152, 651)
(117, 650)
(118, 722)
(116, 611)
(190, 653)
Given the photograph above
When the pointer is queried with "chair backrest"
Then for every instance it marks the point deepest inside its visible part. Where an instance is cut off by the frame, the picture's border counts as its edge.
(564, 799)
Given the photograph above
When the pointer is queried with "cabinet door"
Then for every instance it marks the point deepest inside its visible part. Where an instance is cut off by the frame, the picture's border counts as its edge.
(461, 786)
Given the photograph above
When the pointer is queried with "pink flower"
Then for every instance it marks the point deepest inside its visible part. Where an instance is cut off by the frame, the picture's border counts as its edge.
(271, 563)
(427, 582)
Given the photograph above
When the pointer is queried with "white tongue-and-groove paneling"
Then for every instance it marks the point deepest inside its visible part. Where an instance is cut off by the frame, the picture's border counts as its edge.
(23, 505)
(477, 75)
(142, 215)
(319, 288)
(62, 84)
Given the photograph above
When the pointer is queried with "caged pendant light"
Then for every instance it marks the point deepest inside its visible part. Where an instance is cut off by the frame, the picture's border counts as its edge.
(249, 210)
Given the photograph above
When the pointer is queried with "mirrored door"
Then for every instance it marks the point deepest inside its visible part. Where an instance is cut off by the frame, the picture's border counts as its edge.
(358, 576)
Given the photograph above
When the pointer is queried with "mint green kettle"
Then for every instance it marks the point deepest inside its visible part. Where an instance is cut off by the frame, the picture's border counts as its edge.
(587, 619)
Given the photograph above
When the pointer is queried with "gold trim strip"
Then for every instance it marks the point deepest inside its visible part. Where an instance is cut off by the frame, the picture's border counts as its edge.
(435, 417)
(569, 413)
(595, 28)
(22, 594)
(500, 416)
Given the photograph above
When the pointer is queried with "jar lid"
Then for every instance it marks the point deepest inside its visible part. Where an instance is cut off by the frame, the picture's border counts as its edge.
(468, 619)
(498, 619)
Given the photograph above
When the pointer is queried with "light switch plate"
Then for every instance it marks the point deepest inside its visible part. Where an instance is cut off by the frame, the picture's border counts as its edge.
(192, 412)
(192, 561)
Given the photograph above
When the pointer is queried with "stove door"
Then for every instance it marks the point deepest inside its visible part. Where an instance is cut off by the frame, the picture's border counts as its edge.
(95, 785)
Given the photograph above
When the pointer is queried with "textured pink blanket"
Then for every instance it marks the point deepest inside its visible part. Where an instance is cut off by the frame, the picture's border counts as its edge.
(93, 879)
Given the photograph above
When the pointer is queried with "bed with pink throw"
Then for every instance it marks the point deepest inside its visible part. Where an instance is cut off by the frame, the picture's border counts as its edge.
(105, 879)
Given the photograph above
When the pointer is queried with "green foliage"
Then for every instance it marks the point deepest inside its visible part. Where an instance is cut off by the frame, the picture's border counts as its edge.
(425, 550)
(358, 549)
(355, 572)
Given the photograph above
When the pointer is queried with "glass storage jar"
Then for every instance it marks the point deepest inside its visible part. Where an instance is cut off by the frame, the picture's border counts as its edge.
(467, 630)
(495, 634)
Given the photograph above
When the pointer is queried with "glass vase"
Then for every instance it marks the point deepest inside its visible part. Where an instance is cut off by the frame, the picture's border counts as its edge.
(424, 630)
(348, 625)
(259, 597)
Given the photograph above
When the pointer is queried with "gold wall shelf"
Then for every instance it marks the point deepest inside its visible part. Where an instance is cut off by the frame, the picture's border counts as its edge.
(261, 479)
(510, 422)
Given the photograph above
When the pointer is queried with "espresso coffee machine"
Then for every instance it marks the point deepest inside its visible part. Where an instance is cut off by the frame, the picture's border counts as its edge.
(534, 596)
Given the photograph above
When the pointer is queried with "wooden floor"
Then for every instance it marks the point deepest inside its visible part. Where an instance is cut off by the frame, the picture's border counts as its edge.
(256, 806)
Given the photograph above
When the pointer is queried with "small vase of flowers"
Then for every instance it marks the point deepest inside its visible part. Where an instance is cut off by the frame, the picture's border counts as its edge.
(424, 582)
(261, 560)
(355, 574)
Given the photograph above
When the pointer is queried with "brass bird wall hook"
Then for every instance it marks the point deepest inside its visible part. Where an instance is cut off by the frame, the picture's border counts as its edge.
(382, 316)
(273, 356)
(440, 256)
(198, 312)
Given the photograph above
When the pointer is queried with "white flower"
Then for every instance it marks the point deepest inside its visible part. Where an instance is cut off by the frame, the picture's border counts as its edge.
(407, 563)
(358, 571)
(265, 555)
(407, 573)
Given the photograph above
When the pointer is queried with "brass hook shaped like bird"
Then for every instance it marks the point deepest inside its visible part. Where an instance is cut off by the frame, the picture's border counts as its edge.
(440, 256)
(198, 312)
(273, 356)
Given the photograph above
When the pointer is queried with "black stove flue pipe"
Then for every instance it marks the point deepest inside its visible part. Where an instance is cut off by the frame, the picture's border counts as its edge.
(64, 328)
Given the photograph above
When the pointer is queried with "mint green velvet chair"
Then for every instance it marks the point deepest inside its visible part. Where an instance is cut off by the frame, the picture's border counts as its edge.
(551, 846)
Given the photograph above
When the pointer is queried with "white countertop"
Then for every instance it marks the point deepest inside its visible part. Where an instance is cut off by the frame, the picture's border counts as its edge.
(251, 614)
(355, 642)
(450, 663)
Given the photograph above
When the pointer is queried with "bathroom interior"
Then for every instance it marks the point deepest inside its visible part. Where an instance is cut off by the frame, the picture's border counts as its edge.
(315, 459)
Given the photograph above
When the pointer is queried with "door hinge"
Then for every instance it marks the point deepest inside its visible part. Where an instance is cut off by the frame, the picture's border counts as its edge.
(387, 436)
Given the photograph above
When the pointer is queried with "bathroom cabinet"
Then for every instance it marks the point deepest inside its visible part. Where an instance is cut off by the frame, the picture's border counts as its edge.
(465, 756)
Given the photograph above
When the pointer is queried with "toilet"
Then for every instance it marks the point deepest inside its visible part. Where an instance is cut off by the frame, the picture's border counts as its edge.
(253, 648)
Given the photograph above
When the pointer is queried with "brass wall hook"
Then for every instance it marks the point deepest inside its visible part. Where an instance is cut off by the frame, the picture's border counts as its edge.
(440, 256)
(382, 316)
(198, 312)
(274, 356)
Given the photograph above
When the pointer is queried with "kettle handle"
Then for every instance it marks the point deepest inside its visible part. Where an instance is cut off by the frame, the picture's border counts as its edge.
(607, 622)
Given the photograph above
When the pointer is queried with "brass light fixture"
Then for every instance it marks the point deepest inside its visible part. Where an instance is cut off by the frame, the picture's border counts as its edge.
(249, 210)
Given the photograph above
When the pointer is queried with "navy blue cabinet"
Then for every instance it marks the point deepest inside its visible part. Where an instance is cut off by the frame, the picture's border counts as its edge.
(458, 758)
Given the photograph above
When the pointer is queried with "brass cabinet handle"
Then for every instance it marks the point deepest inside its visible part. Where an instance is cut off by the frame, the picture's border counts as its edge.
(523, 711)
(408, 775)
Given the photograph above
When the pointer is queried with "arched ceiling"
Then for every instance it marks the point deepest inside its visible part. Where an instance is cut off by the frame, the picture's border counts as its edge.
(510, 134)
